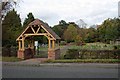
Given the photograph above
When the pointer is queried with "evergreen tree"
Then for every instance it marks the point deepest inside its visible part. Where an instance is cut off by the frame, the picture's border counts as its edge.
(60, 28)
(27, 20)
(11, 28)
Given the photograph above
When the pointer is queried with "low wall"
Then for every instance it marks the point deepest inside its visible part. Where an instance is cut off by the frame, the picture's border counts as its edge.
(25, 54)
(53, 54)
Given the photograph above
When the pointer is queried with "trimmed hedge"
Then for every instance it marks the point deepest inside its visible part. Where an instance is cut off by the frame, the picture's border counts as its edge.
(9, 51)
(92, 54)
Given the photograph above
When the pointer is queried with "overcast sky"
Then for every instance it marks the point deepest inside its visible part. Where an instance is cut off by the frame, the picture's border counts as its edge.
(52, 11)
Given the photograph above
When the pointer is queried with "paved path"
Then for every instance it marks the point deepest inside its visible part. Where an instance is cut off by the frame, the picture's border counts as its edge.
(33, 61)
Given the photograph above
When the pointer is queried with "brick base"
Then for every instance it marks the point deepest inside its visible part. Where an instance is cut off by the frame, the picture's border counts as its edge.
(25, 54)
(20, 54)
(53, 54)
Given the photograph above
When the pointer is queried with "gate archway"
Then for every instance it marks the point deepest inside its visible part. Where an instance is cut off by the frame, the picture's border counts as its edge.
(37, 28)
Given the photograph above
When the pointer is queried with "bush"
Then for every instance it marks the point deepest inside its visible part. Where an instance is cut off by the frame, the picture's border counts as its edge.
(91, 54)
(116, 47)
(71, 54)
(9, 51)
(63, 43)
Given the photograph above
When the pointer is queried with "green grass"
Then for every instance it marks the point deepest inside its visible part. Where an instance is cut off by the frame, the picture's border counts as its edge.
(10, 59)
(94, 46)
(43, 48)
(84, 61)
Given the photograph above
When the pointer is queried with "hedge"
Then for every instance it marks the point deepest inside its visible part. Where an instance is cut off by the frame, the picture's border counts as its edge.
(9, 51)
(92, 54)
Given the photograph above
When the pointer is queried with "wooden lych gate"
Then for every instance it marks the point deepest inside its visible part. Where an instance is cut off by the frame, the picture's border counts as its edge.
(37, 28)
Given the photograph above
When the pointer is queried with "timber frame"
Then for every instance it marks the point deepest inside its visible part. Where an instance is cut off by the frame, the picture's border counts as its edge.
(36, 28)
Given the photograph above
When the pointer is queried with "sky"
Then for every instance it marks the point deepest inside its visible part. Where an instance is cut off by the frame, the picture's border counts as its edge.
(52, 11)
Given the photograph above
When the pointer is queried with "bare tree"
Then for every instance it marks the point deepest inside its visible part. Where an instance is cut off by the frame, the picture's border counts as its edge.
(5, 6)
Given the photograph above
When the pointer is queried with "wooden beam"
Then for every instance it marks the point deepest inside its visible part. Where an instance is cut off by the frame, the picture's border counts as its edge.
(23, 32)
(32, 29)
(47, 31)
(38, 30)
(36, 34)
(19, 39)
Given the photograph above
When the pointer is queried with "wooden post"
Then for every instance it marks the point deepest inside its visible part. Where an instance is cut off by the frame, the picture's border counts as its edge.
(19, 43)
(23, 44)
(49, 44)
(32, 43)
(53, 44)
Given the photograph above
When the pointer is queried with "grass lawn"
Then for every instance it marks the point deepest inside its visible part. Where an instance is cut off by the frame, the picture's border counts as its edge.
(10, 59)
(94, 46)
(84, 61)
(43, 48)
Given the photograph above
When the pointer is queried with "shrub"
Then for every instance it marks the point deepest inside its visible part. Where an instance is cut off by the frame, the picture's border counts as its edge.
(9, 51)
(63, 43)
(92, 54)
(71, 54)
(115, 47)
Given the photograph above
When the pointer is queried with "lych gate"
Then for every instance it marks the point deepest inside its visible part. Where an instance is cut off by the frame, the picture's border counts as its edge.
(37, 28)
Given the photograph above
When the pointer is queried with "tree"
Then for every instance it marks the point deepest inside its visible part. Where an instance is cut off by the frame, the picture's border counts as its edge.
(62, 23)
(27, 20)
(6, 6)
(11, 28)
(70, 33)
(78, 40)
(109, 30)
(60, 28)
(82, 33)
(91, 35)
